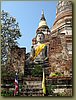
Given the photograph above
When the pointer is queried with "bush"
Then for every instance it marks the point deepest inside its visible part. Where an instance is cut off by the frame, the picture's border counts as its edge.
(37, 71)
(6, 93)
(56, 74)
(50, 89)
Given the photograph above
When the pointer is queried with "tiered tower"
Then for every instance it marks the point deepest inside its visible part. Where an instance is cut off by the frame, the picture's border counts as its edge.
(61, 38)
(63, 21)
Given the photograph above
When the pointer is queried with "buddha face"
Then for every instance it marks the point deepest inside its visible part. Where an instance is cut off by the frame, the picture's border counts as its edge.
(40, 37)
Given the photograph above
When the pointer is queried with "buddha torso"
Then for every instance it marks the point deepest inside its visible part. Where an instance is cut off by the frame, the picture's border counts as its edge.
(43, 53)
(41, 56)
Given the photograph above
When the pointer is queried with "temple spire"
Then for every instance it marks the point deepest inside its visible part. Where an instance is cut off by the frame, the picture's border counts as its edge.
(43, 17)
(42, 12)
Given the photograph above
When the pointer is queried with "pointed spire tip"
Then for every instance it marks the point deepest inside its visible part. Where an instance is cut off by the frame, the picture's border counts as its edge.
(43, 17)
(42, 11)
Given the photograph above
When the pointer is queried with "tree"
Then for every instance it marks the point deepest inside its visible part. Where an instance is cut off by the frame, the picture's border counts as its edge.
(10, 32)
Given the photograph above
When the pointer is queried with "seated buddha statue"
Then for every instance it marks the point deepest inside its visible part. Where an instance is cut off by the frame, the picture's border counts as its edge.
(39, 50)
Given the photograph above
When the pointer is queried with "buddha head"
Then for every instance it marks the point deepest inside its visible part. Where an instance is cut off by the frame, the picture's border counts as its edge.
(40, 37)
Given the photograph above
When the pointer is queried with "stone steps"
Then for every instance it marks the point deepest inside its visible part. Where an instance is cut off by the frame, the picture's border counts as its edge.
(33, 88)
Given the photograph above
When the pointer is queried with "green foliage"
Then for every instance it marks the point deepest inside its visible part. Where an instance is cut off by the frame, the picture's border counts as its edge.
(50, 89)
(10, 32)
(56, 74)
(53, 74)
(6, 93)
(37, 71)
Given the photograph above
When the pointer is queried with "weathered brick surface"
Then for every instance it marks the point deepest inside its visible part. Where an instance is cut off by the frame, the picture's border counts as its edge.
(18, 59)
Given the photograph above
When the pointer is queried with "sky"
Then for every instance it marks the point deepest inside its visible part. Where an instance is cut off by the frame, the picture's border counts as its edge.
(28, 14)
